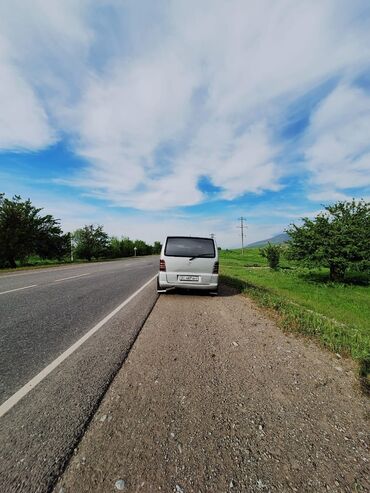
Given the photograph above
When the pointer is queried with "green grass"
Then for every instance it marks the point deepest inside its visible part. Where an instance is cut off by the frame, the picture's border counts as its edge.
(37, 265)
(34, 261)
(337, 315)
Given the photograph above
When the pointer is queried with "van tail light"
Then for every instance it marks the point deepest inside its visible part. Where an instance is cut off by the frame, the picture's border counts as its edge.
(162, 265)
(215, 268)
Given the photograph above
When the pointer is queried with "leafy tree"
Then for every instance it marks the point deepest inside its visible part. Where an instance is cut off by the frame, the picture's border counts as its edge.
(114, 248)
(157, 247)
(53, 246)
(142, 248)
(23, 232)
(272, 253)
(127, 247)
(91, 242)
(337, 238)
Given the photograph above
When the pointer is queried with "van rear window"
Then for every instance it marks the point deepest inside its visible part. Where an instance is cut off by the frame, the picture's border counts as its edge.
(178, 246)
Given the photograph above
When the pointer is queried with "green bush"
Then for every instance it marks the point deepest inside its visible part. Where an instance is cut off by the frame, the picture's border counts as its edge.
(272, 254)
(337, 238)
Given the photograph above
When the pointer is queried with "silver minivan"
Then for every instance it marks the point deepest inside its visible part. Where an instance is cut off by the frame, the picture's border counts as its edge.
(188, 262)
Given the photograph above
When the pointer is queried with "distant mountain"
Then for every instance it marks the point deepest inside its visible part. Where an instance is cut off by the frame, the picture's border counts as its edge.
(281, 238)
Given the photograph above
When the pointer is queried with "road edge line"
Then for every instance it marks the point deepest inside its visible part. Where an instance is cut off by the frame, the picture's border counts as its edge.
(23, 391)
(73, 277)
(18, 289)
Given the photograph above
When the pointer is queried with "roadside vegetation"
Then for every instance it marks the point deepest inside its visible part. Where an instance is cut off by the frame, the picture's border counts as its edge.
(318, 288)
(30, 239)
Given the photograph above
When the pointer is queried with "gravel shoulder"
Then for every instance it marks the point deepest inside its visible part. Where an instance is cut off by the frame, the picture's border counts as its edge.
(214, 397)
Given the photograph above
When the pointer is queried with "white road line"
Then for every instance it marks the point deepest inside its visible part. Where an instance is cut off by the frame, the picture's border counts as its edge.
(42, 271)
(18, 289)
(72, 277)
(12, 401)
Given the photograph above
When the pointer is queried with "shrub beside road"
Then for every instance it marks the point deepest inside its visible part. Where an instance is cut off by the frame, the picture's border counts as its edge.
(336, 314)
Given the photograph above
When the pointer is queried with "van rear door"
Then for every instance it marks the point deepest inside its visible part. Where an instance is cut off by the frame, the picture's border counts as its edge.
(189, 256)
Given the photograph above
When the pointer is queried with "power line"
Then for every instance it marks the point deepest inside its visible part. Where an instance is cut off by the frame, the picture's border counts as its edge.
(242, 227)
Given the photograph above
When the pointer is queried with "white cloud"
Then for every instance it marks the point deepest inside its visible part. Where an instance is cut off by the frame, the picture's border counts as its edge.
(205, 79)
(211, 95)
(23, 121)
(245, 163)
(338, 145)
(325, 196)
(122, 118)
(41, 46)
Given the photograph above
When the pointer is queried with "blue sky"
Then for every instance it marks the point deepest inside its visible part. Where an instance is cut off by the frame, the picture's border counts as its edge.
(177, 117)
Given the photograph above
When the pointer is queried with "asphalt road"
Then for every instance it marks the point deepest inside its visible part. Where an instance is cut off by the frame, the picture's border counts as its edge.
(42, 314)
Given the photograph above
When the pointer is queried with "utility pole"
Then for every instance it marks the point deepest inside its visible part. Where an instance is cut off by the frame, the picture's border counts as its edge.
(242, 226)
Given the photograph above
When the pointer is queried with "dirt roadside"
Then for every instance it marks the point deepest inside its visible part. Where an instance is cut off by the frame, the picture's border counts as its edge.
(214, 397)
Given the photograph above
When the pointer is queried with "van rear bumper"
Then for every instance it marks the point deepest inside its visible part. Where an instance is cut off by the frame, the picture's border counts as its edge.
(211, 286)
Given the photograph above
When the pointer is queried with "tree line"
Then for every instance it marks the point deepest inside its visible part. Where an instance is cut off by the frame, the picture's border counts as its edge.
(25, 233)
(337, 238)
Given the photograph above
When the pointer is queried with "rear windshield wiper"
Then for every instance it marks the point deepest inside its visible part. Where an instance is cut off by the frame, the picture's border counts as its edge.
(204, 255)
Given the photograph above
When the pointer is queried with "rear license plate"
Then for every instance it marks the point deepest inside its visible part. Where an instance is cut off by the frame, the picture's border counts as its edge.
(189, 278)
